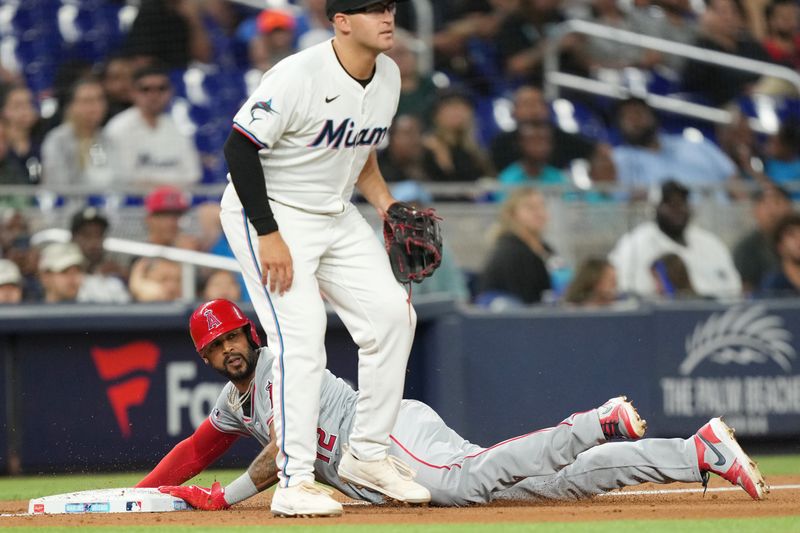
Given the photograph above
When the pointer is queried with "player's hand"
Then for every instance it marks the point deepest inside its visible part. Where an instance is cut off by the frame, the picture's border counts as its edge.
(276, 262)
(212, 499)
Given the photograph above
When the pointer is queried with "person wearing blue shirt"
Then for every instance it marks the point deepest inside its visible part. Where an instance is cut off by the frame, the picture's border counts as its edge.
(536, 144)
(649, 158)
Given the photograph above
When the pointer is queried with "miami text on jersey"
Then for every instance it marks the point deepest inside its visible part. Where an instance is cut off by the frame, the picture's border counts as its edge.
(333, 137)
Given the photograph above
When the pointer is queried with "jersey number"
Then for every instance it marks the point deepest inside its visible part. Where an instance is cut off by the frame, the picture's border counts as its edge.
(325, 442)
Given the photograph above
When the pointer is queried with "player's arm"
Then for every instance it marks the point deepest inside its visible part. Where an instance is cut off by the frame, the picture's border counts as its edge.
(247, 176)
(190, 456)
(261, 474)
(373, 187)
(263, 471)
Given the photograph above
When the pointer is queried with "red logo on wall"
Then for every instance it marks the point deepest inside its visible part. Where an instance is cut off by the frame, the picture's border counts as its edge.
(115, 363)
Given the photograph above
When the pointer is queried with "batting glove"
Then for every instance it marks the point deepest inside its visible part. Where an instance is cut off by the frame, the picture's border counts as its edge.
(212, 499)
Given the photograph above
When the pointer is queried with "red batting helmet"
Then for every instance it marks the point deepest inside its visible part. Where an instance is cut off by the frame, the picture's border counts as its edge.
(216, 317)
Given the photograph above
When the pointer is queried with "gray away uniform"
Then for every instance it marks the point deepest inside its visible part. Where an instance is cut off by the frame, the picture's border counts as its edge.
(569, 461)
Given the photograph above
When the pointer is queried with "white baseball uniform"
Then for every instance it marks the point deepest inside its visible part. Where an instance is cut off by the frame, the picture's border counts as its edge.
(562, 462)
(317, 126)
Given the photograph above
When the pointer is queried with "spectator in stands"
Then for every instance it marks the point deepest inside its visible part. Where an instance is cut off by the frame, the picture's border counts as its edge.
(453, 152)
(155, 280)
(15, 243)
(313, 25)
(402, 159)
(782, 163)
(603, 53)
(594, 284)
(723, 30)
(165, 207)
(784, 281)
(783, 32)
(530, 106)
(648, 158)
(602, 171)
(274, 39)
(116, 75)
(21, 120)
(668, 19)
(741, 145)
(463, 39)
(536, 147)
(169, 31)
(145, 144)
(76, 152)
(524, 37)
(62, 271)
(12, 171)
(10, 282)
(221, 284)
(707, 259)
(517, 265)
(754, 255)
(671, 278)
(417, 92)
(89, 228)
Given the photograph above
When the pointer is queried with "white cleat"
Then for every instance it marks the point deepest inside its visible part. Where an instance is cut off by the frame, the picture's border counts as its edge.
(304, 499)
(389, 476)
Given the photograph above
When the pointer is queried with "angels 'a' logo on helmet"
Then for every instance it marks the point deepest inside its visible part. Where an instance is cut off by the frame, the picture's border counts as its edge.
(212, 321)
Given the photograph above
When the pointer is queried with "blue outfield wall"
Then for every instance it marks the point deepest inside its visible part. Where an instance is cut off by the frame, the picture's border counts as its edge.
(496, 376)
(96, 388)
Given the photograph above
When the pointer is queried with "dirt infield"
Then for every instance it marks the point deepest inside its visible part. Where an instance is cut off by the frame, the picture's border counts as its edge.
(619, 506)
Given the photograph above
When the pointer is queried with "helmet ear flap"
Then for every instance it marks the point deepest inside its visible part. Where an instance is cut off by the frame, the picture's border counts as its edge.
(254, 339)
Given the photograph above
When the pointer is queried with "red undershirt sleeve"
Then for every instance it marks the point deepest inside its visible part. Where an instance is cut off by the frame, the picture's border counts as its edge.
(190, 456)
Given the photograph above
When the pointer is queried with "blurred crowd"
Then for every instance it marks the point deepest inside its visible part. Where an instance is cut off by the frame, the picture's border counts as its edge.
(129, 94)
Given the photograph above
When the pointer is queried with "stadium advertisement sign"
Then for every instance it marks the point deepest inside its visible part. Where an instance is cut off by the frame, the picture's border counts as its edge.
(739, 361)
(112, 399)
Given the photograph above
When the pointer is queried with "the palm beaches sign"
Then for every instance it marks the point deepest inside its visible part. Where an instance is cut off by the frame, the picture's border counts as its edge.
(740, 363)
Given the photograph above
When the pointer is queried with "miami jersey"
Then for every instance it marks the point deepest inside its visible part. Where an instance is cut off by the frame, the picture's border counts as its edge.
(317, 125)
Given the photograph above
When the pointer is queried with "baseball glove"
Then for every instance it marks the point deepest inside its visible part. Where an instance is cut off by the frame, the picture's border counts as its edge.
(413, 241)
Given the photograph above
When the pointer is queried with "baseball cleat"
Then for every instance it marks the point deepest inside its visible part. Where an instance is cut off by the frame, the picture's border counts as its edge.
(718, 452)
(305, 499)
(389, 476)
(619, 419)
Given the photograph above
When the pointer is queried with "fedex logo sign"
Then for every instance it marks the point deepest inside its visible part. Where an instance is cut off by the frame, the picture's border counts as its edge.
(186, 396)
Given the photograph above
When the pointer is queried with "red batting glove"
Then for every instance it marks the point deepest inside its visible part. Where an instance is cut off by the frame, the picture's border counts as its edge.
(212, 499)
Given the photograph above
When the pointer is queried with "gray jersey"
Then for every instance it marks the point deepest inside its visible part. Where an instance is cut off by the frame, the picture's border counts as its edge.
(458, 472)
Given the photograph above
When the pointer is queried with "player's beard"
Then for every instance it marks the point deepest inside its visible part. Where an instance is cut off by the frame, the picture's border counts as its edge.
(248, 368)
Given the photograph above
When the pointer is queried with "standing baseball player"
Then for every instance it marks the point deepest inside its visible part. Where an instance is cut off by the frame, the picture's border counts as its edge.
(569, 461)
(300, 145)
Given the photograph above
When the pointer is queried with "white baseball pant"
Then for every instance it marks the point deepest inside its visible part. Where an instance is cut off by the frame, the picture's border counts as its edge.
(338, 256)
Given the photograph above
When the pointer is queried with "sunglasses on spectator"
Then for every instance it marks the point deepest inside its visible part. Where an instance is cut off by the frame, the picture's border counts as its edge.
(378, 8)
(153, 88)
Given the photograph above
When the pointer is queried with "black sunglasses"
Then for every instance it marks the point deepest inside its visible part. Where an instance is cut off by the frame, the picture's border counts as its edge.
(378, 8)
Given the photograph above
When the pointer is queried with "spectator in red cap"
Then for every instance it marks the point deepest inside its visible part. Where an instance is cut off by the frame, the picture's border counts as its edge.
(274, 40)
(165, 206)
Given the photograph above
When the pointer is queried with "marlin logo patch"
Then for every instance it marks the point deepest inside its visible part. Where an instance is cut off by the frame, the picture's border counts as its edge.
(262, 106)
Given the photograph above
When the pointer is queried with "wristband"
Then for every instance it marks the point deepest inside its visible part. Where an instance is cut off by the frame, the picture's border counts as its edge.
(240, 489)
